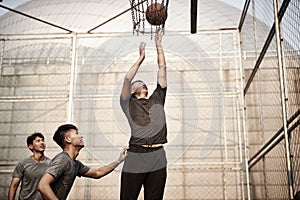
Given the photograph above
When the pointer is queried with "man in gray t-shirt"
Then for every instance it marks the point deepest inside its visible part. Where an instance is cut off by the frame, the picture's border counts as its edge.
(63, 169)
(63, 166)
(29, 171)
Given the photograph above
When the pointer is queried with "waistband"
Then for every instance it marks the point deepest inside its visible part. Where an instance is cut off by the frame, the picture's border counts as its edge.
(152, 145)
(147, 148)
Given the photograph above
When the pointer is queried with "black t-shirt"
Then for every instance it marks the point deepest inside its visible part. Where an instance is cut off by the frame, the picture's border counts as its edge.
(146, 118)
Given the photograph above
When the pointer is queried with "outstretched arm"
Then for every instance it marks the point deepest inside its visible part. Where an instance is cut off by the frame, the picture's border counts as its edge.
(162, 71)
(102, 171)
(126, 90)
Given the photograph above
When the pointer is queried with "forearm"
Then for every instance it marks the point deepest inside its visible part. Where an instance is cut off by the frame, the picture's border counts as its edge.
(102, 171)
(160, 55)
(13, 188)
(12, 193)
(126, 90)
(162, 69)
(47, 192)
(133, 70)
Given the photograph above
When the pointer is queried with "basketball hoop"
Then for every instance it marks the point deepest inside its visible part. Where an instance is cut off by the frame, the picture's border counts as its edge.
(148, 14)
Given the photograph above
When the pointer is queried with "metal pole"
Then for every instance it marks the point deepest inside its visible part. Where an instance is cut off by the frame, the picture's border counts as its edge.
(243, 119)
(35, 18)
(194, 8)
(1, 56)
(266, 45)
(239, 81)
(90, 31)
(284, 99)
(72, 78)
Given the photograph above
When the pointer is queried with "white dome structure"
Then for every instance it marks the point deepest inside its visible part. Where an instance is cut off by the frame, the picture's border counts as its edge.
(64, 61)
(80, 17)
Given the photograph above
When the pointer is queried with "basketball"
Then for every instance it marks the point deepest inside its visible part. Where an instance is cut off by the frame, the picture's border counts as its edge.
(156, 14)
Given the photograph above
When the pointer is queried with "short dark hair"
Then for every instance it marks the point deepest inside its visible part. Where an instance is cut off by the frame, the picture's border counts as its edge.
(60, 133)
(297, 196)
(137, 81)
(32, 137)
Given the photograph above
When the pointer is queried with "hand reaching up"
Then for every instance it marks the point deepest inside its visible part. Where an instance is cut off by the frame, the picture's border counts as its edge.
(158, 37)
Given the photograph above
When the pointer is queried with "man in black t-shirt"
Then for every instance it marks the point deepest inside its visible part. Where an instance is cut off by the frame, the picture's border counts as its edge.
(146, 162)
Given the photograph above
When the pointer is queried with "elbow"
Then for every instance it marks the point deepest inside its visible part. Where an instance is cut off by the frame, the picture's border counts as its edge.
(40, 187)
(127, 79)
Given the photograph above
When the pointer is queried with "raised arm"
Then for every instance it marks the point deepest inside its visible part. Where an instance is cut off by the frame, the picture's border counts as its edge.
(102, 171)
(126, 90)
(162, 71)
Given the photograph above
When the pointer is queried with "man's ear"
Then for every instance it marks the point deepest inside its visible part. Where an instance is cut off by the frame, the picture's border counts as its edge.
(30, 147)
(68, 140)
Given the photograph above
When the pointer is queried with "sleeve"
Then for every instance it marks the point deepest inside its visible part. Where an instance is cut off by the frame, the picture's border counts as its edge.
(18, 171)
(125, 105)
(57, 166)
(160, 93)
(82, 169)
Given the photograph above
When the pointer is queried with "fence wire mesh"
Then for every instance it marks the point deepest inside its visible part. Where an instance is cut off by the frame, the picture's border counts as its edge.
(50, 78)
(204, 148)
(273, 162)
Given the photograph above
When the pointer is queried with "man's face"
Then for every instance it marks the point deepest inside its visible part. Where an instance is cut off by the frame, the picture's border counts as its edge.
(38, 145)
(139, 87)
(75, 139)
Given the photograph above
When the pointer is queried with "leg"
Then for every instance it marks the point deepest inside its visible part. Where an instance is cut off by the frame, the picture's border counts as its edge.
(155, 184)
(131, 184)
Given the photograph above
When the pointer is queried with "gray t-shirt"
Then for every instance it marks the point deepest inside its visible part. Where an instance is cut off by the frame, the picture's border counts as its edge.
(65, 170)
(30, 173)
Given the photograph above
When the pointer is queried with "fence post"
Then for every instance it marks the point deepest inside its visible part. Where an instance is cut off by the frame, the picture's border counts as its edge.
(72, 78)
(284, 99)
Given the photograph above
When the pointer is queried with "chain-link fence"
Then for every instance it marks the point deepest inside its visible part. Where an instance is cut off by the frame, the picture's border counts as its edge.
(44, 84)
(50, 78)
(271, 63)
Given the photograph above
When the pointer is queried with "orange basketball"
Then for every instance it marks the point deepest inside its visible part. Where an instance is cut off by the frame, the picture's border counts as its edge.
(156, 14)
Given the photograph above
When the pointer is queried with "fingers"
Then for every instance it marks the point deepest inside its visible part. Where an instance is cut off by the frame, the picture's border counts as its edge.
(124, 150)
(159, 32)
(142, 49)
(158, 36)
(142, 45)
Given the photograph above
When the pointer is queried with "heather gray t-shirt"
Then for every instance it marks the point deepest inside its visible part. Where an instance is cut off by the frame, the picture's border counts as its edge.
(30, 173)
(65, 170)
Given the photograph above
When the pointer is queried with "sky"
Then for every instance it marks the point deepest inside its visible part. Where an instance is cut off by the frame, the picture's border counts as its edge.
(14, 3)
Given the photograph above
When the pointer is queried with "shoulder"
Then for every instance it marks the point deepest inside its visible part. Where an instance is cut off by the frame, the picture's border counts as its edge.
(79, 163)
(23, 164)
(59, 164)
(82, 168)
(48, 160)
(60, 158)
(61, 155)
(25, 161)
(160, 87)
(122, 100)
(159, 90)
